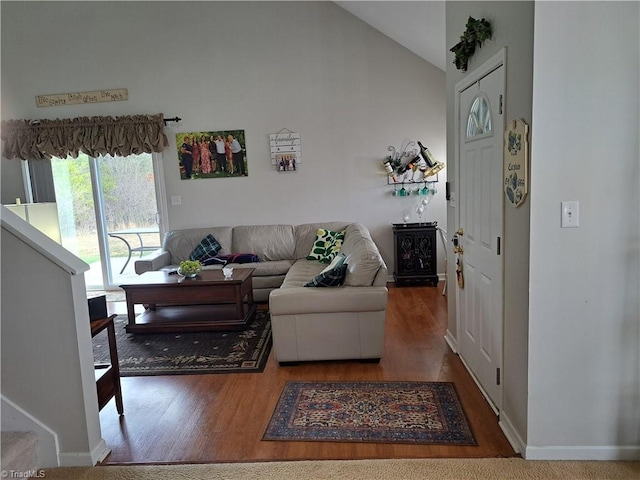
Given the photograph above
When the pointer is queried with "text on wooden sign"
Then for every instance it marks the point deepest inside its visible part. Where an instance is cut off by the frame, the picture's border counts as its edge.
(80, 98)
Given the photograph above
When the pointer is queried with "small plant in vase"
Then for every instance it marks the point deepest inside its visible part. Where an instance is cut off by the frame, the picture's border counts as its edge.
(190, 268)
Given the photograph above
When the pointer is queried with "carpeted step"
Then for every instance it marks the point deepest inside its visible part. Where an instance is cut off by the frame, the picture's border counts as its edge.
(18, 451)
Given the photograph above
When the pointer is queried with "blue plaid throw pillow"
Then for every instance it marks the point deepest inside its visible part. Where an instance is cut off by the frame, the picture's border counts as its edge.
(332, 276)
(207, 248)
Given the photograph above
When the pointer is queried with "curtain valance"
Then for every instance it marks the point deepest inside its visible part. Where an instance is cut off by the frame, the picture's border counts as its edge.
(95, 136)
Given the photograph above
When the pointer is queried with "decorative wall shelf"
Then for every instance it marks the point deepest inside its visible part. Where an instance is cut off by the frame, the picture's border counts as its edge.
(413, 188)
(413, 164)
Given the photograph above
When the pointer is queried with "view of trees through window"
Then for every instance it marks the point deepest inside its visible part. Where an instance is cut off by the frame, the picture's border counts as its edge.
(128, 192)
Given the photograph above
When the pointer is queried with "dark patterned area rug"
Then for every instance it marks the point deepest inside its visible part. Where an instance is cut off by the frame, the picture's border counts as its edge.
(241, 351)
(382, 412)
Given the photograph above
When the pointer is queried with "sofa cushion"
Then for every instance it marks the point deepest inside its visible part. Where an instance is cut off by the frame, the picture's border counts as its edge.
(272, 268)
(180, 243)
(265, 269)
(326, 245)
(330, 278)
(362, 256)
(300, 273)
(239, 258)
(268, 242)
(207, 248)
(332, 275)
(218, 260)
(270, 282)
(297, 300)
(306, 234)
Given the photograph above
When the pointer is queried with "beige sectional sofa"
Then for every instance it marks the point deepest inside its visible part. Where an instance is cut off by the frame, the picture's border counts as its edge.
(309, 323)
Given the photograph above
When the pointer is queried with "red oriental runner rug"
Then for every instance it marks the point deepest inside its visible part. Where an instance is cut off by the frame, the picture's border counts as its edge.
(382, 412)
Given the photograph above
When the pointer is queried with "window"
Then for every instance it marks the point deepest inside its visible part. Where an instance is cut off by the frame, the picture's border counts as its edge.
(479, 120)
(107, 209)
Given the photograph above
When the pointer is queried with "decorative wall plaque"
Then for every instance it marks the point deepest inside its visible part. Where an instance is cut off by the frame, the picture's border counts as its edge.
(80, 98)
(286, 151)
(516, 162)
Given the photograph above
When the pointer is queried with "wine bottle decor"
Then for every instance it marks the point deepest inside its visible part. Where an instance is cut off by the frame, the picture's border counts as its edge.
(410, 164)
(399, 161)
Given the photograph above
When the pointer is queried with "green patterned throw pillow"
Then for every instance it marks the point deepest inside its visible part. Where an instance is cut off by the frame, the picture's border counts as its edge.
(326, 245)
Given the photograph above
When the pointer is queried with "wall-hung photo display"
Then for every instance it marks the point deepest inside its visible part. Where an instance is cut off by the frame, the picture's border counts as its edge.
(212, 154)
(286, 153)
(286, 162)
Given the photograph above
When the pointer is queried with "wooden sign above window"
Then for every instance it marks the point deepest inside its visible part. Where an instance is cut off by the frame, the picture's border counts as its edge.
(81, 98)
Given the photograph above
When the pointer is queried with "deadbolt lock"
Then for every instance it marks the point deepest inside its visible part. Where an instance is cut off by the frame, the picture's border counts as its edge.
(457, 247)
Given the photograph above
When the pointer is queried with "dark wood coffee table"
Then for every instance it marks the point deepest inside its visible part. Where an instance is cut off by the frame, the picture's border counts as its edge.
(177, 304)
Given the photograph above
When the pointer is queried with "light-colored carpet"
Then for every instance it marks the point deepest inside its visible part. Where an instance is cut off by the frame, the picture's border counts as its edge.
(17, 451)
(414, 469)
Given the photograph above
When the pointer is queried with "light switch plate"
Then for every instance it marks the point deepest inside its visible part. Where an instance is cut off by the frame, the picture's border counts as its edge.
(570, 214)
(176, 200)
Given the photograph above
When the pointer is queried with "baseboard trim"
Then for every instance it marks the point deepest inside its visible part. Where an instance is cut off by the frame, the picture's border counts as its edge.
(511, 433)
(100, 452)
(611, 453)
(85, 459)
(484, 393)
(451, 341)
(584, 452)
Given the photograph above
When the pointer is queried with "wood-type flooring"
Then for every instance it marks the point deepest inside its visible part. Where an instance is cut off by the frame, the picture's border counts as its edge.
(221, 418)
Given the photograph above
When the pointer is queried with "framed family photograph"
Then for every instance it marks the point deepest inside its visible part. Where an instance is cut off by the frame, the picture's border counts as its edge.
(212, 154)
(286, 162)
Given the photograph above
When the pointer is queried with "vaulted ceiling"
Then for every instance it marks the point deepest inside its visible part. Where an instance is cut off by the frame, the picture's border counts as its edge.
(417, 25)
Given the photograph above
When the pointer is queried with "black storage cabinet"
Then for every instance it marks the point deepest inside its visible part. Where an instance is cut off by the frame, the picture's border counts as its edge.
(415, 253)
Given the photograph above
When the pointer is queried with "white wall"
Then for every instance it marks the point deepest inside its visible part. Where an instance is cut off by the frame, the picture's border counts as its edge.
(584, 340)
(512, 24)
(310, 67)
(47, 361)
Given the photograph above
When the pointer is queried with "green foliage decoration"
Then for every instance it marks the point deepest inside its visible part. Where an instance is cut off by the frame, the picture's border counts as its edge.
(190, 267)
(477, 32)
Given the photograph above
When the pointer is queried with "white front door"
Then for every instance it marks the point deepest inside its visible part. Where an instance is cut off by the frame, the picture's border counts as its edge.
(480, 310)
